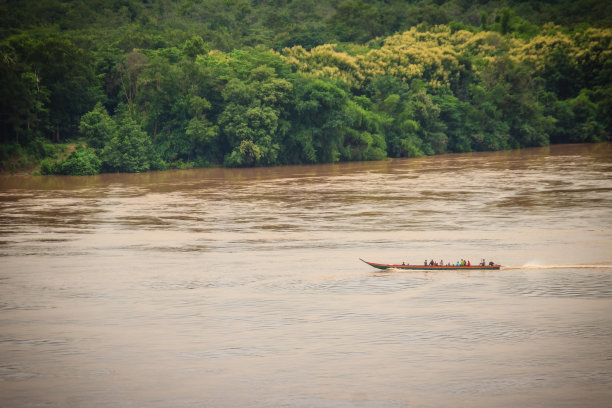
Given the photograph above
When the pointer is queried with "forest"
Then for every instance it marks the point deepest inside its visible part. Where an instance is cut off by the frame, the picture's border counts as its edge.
(91, 86)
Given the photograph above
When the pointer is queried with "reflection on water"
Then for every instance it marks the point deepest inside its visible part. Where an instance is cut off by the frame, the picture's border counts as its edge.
(243, 287)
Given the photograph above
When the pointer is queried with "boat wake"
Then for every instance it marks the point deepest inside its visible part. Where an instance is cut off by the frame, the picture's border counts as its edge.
(579, 266)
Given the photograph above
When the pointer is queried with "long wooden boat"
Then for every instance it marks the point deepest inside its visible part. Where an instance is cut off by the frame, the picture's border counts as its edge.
(432, 267)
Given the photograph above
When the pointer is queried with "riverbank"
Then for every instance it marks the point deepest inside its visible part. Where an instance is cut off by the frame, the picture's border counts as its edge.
(16, 160)
(65, 150)
(32, 167)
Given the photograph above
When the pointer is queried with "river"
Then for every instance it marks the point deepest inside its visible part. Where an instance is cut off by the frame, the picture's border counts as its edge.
(243, 287)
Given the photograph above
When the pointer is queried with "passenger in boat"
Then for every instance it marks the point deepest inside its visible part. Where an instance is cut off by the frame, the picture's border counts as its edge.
(431, 263)
(469, 264)
(491, 263)
(403, 263)
(425, 264)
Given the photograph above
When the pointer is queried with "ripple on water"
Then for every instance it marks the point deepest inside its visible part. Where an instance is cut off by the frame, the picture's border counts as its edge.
(370, 285)
(235, 287)
(15, 373)
(563, 283)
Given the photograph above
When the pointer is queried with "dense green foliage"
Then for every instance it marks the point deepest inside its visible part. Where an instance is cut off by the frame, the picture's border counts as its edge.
(81, 162)
(154, 84)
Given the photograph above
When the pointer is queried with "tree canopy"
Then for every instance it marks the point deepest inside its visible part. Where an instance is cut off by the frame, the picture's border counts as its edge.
(157, 84)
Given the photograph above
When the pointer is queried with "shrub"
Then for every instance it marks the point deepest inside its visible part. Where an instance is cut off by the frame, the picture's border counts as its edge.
(81, 162)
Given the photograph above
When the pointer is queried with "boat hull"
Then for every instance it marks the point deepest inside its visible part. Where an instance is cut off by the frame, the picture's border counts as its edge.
(432, 267)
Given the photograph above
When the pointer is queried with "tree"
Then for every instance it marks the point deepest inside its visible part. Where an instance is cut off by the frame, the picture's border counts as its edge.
(81, 162)
(24, 101)
(97, 127)
(129, 71)
(67, 72)
(194, 47)
(200, 132)
(484, 20)
(316, 113)
(253, 122)
(130, 150)
(577, 120)
(356, 21)
(504, 20)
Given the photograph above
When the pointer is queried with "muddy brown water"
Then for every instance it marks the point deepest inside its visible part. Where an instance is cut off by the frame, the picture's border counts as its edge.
(243, 287)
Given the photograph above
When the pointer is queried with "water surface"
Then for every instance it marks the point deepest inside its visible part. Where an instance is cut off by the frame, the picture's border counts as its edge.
(243, 287)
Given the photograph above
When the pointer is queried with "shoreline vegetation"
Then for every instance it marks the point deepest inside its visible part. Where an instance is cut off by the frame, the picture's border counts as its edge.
(132, 86)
